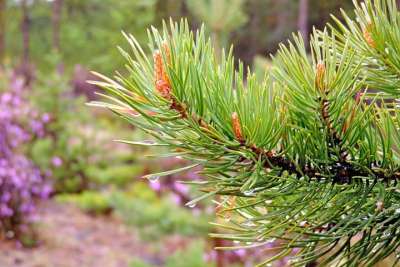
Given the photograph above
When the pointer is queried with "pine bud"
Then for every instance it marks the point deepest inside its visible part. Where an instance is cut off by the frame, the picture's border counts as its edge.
(236, 127)
(158, 65)
(163, 88)
(368, 37)
(320, 76)
(167, 53)
(162, 83)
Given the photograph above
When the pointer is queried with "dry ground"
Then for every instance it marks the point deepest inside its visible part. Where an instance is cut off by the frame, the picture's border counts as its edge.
(71, 238)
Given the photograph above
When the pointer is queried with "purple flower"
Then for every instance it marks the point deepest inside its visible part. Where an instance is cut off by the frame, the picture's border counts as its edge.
(5, 211)
(27, 207)
(46, 191)
(241, 252)
(21, 182)
(181, 188)
(45, 118)
(56, 161)
(6, 98)
(155, 185)
(5, 197)
(37, 127)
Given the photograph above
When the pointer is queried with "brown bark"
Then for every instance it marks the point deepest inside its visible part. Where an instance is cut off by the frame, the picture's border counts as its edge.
(252, 46)
(303, 18)
(25, 68)
(2, 30)
(56, 18)
(283, 20)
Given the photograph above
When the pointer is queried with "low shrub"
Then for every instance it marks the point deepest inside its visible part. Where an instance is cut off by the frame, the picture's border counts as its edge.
(92, 202)
(154, 215)
(119, 175)
(192, 256)
(75, 148)
(21, 182)
(65, 149)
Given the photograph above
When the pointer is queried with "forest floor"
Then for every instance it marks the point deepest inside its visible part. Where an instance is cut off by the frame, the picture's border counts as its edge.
(72, 238)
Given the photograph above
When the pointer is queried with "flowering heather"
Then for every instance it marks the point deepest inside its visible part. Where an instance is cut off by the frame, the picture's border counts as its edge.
(21, 183)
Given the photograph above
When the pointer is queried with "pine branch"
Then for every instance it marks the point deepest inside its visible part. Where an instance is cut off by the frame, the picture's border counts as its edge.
(343, 171)
(163, 86)
(307, 155)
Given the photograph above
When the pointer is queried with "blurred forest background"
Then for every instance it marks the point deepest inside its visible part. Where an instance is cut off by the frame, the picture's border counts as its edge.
(87, 32)
(95, 208)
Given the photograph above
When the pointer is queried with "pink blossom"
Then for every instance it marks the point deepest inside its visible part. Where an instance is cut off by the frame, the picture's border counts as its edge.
(181, 188)
(45, 117)
(155, 185)
(176, 199)
(56, 161)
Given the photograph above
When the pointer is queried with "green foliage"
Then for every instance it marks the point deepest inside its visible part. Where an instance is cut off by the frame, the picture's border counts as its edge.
(87, 38)
(261, 65)
(375, 39)
(69, 176)
(139, 263)
(92, 202)
(191, 256)
(66, 149)
(222, 17)
(70, 149)
(219, 15)
(307, 155)
(119, 175)
(141, 207)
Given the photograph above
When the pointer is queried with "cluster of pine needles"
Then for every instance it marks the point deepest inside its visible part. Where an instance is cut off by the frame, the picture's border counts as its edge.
(308, 155)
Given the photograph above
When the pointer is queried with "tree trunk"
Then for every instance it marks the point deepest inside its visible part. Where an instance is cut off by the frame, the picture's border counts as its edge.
(283, 20)
(253, 23)
(302, 22)
(25, 69)
(56, 19)
(2, 30)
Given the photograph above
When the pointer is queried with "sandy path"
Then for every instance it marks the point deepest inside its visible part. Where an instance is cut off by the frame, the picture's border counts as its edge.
(71, 238)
